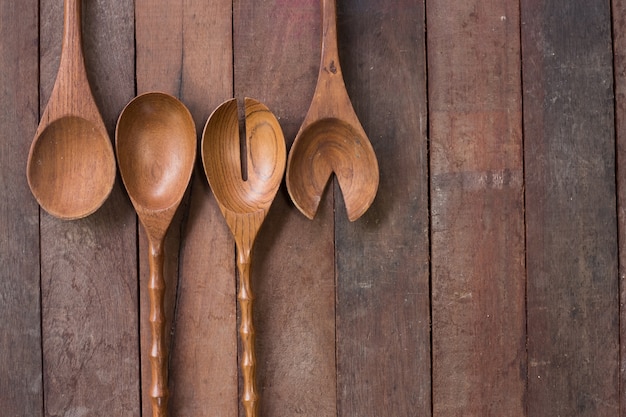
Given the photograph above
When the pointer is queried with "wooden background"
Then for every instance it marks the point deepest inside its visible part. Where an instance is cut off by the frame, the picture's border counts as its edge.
(487, 279)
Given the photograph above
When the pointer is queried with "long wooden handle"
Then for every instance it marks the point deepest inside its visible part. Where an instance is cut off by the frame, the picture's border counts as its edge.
(72, 83)
(330, 48)
(249, 397)
(72, 34)
(158, 349)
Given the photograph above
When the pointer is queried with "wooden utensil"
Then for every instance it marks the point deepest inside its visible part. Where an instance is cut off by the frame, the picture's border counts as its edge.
(71, 166)
(331, 139)
(156, 150)
(244, 188)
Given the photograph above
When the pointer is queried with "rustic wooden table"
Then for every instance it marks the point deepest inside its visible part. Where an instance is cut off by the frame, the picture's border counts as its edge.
(484, 281)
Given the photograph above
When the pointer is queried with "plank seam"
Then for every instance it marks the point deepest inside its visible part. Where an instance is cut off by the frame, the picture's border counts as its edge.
(43, 390)
(523, 156)
(620, 299)
(429, 202)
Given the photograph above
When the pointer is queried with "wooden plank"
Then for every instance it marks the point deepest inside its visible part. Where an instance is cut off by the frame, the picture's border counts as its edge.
(619, 67)
(203, 377)
(573, 310)
(189, 55)
(159, 54)
(383, 308)
(477, 208)
(21, 390)
(89, 293)
(276, 61)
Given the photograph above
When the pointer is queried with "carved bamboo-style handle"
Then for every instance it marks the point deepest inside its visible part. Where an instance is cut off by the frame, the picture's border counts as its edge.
(249, 397)
(158, 350)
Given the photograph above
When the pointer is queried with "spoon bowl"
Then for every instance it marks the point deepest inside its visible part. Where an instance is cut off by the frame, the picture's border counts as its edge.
(327, 146)
(66, 182)
(156, 150)
(156, 163)
(244, 178)
(222, 158)
(71, 165)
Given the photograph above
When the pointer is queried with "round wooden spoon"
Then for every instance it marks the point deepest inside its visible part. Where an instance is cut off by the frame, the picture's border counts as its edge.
(244, 203)
(156, 149)
(71, 166)
(331, 139)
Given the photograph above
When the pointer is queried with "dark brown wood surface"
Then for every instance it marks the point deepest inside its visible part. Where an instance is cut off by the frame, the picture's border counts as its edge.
(158, 68)
(203, 371)
(88, 267)
(477, 209)
(483, 281)
(383, 309)
(569, 153)
(619, 56)
(20, 307)
(276, 61)
(178, 44)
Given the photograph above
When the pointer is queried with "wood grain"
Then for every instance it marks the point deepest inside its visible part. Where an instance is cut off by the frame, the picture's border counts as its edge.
(383, 335)
(71, 165)
(158, 41)
(619, 68)
(244, 184)
(363, 350)
(156, 146)
(331, 140)
(21, 389)
(477, 209)
(573, 333)
(293, 259)
(89, 294)
(203, 358)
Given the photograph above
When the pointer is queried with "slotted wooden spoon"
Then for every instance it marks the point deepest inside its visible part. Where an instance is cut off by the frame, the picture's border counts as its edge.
(156, 149)
(331, 139)
(71, 165)
(244, 202)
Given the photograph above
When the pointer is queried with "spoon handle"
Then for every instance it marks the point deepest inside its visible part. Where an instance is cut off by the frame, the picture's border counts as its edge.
(249, 397)
(158, 350)
(330, 48)
(71, 50)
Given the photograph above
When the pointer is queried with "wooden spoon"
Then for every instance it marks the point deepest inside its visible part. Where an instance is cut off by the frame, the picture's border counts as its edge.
(71, 166)
(156, 149)
(244, 202)
(331, 139)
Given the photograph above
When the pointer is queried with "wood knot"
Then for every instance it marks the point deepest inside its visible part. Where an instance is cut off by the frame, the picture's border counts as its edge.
(333, 67)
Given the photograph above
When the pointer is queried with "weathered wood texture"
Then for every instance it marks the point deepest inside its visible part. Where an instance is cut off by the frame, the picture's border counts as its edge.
(503, 225)
(185, 49)
(88, 267)
(573, 310)
(477, 208)
(203, 371)
(71, 165)
(21, 389)
(158, 39)
(383, 323)
(619, 68)
(276, 61)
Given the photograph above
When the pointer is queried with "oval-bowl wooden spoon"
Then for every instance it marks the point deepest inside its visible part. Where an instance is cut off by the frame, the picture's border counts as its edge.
(244, 202)
(156, 149)
(331, 139)
(71, 165)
